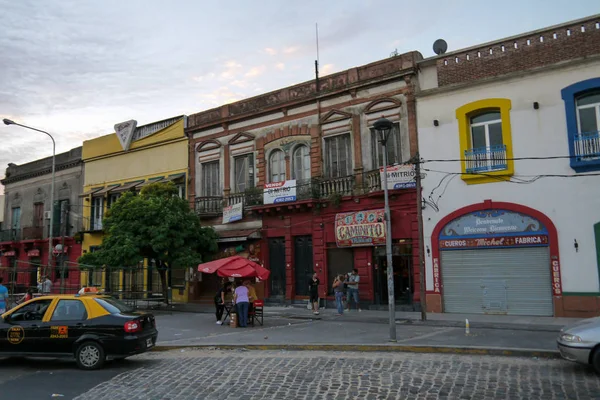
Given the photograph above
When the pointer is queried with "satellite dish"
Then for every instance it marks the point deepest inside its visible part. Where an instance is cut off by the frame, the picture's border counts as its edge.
(440, 46)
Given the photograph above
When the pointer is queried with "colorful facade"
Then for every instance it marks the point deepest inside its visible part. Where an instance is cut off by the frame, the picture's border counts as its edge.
(509, 134)
(26, 227)
(278, 171)
(127, 161)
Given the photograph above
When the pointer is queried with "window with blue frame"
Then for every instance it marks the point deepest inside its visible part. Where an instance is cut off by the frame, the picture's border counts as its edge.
(582, 109)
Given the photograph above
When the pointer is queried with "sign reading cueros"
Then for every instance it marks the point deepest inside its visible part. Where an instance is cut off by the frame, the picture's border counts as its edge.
(500, 241)
(360, 228)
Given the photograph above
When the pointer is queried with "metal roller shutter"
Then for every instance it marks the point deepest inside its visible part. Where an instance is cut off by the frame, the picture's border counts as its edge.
(512, 281)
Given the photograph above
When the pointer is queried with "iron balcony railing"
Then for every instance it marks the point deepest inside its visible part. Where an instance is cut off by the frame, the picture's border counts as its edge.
(209, 205)
(33, 232)
(587, 146)
(486, 159)
(307, 189)
(10, 235)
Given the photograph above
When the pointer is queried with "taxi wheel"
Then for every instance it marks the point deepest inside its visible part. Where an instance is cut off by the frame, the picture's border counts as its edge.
(90, 355)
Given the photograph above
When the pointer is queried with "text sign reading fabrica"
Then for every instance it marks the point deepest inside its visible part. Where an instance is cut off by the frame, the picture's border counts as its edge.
(399, 177)
(279, 192)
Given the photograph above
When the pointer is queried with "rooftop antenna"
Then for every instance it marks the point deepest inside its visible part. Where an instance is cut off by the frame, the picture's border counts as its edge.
(440, 46)
(317, 60)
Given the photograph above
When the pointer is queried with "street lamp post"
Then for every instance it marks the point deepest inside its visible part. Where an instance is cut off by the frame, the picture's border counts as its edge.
(9, 122)
(383, 127)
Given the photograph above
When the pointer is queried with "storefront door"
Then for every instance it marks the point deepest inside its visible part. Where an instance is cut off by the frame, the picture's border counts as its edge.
(402, 263)
(277, 267)
(303, 263)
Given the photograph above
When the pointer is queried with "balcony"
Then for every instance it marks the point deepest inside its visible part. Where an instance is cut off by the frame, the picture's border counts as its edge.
(485, 159)
(209, 205)
(33, 232)
(10, 235)
(587, 146)
(316, 189)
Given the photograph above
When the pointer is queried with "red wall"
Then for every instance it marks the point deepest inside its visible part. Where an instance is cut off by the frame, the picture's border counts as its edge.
(304, 218)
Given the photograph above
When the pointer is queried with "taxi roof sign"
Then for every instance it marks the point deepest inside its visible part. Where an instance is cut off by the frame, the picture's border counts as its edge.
(88, 290)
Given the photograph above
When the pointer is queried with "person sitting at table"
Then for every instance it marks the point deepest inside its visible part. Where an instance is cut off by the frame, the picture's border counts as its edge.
(220, 301)
(241, 301)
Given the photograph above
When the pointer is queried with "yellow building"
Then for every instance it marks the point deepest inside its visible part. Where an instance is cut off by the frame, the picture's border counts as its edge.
(127, 160)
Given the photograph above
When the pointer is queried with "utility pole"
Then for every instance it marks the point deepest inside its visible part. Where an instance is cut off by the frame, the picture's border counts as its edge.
(383, 127)
(421, 241)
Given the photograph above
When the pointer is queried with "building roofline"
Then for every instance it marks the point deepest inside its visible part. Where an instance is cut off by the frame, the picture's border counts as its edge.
(432, 60)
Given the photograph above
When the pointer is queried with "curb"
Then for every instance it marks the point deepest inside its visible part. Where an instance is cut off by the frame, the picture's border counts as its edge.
(464, 350)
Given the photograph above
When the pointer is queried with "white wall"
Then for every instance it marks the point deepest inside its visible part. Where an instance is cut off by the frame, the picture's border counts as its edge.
(573, 204)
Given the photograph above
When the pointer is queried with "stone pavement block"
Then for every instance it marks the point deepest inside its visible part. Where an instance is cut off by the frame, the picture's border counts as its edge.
(346, 375)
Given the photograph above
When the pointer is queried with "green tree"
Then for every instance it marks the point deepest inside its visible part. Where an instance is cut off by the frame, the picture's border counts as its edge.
(156, 225)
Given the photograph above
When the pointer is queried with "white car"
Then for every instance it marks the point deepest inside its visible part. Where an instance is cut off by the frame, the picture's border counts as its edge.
(580, 342)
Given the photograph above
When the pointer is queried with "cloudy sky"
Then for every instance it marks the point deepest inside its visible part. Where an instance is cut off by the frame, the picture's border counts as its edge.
(77, 67)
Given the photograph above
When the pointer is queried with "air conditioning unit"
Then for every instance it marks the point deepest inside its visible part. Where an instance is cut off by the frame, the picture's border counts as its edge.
(47, 214)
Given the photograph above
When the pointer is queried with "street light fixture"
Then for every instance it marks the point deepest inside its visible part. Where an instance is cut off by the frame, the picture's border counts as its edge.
(383, 127)
(10, 122)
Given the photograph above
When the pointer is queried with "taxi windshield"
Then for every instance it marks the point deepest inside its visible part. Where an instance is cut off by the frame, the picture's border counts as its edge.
(113, 306)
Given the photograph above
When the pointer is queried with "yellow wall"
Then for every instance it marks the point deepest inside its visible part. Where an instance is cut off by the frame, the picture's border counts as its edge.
(163, 153)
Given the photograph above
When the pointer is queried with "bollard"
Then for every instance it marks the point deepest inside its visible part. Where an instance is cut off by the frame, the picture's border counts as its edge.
(467, 330)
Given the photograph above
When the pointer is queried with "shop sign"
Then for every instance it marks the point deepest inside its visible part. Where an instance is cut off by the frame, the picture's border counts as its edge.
(10, 253)
(493, 222)
(124, 132)
(499, 241)
(33, 253)
(279, 192)
(436, 275)
(399, 177)
(233, 213)
(361, 228)
(556, 281)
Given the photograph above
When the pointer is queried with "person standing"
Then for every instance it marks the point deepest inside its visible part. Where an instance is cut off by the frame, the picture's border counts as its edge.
(220, 301)
(313, 286)
(353, 279)
(45, 285)
(3, 297)
(338, 290)
(242, 300)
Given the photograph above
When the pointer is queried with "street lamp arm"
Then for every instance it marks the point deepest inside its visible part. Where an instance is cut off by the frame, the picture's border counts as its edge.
(33, 129)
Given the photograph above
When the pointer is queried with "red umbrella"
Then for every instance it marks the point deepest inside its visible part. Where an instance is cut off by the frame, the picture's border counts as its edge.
(236, 267)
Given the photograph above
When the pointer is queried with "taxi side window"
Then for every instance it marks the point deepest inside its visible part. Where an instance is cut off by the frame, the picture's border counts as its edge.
(33, 311)
(69, 310)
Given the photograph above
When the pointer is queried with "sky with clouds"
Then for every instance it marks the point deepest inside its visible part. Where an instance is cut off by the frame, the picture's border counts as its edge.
(77, 67)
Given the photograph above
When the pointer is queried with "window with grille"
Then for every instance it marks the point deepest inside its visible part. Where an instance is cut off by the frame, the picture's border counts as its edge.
(276, 166)
(211, 184)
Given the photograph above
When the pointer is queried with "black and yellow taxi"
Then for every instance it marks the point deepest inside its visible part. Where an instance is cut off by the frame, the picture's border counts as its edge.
(91, 327)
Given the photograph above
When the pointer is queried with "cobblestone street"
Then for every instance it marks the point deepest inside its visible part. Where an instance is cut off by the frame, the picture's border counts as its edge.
(213, 374)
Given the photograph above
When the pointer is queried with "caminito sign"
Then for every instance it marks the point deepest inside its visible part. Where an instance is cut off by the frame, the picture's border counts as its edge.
(361, 228)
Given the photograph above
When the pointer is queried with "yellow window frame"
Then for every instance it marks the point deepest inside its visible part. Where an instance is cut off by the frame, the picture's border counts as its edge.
(463, 115)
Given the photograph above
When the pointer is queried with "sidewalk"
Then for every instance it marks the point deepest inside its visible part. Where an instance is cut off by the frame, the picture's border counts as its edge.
(446, 320)
(294, 328)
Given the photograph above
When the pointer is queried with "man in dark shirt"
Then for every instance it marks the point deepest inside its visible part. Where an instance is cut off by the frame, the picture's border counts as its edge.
(314, 293)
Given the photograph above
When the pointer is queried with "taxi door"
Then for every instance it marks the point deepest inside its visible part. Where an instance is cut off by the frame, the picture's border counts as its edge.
(20, 328)
(65, 324)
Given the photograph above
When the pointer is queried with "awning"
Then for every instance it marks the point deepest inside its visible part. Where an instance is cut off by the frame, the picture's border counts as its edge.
(106, 189)
(173, 177)
(151, 180)
(126, 186)
(91, 191)
(238, 235)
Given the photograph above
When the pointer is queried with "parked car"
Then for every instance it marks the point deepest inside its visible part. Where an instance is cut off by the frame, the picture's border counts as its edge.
(88, 327)
(580, 342)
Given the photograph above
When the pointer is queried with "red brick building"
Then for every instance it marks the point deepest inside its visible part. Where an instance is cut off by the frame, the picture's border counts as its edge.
(317, 149)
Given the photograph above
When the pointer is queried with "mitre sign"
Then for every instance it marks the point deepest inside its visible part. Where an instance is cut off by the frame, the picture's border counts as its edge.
(124, 132)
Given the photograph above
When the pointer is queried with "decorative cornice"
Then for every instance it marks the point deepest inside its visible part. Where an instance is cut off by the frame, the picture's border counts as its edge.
(46, 171)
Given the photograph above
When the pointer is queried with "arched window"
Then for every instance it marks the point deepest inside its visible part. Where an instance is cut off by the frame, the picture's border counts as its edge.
(276, 166)
(301, 163)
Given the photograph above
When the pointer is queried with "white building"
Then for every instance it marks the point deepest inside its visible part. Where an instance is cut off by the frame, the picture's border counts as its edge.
(512, 220)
